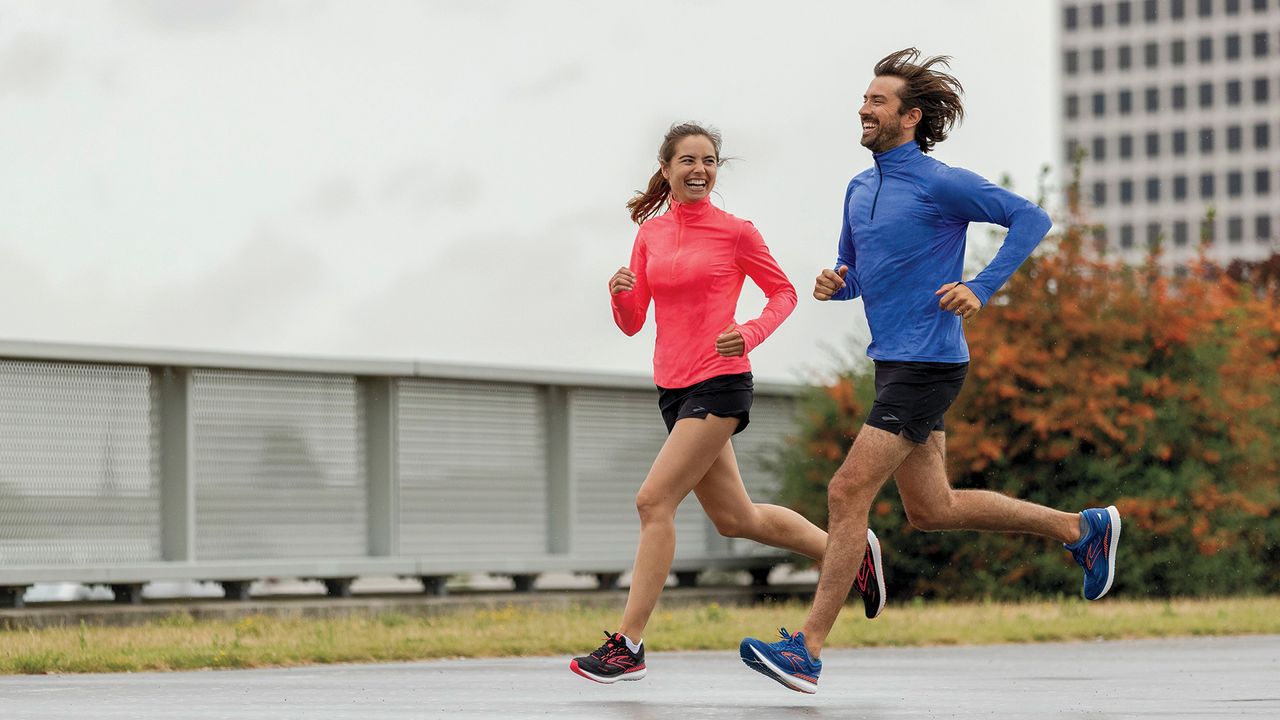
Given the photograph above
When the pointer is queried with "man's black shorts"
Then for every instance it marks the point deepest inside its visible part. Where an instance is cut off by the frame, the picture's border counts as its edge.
(722, 395)
(912, 397)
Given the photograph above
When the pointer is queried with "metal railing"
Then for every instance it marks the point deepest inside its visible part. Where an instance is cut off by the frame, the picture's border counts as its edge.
(120, 466)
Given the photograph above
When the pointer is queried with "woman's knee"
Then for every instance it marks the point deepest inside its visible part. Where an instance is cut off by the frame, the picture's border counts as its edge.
(733, 525)
(652, 507)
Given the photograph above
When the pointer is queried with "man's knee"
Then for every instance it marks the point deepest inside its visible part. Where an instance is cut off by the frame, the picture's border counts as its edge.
(930, 517)
(848, 488)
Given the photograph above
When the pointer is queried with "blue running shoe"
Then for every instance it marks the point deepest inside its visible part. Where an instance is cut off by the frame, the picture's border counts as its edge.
(1096, 551)
(787, 661)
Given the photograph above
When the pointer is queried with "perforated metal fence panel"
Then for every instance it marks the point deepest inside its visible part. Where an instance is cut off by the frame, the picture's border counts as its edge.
(279, 465)
(78, 464)
(616, 436)
(473, 469)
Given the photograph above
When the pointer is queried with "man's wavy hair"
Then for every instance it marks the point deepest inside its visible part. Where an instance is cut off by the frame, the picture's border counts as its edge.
(936, 93)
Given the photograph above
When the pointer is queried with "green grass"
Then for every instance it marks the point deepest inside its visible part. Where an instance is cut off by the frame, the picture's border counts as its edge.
(180, 643)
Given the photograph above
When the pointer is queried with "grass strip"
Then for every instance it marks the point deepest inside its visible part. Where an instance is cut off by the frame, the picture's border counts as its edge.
(180, 643)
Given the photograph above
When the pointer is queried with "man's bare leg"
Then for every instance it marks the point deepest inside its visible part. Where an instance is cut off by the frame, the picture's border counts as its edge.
(872, 459)
(932, 504)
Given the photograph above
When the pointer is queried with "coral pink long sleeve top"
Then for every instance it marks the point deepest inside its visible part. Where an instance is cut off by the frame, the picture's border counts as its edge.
(691, 261)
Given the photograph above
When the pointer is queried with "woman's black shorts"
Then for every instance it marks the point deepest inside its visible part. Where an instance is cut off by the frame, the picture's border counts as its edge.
(912, 397)
(722, 395)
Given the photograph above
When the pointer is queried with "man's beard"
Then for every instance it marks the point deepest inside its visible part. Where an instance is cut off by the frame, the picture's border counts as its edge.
(886, 137)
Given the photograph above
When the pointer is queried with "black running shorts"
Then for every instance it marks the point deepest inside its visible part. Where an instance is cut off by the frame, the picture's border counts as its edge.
(722, 396)
(912, 397)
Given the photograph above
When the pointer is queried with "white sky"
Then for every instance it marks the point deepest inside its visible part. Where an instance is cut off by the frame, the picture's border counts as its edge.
(446, 180)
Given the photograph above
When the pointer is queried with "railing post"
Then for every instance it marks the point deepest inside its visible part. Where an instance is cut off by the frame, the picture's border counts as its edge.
(381, 466)
(560, 485)
(177, 464)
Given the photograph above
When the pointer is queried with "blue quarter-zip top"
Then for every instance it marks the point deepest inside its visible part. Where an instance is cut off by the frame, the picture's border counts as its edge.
(921, 210)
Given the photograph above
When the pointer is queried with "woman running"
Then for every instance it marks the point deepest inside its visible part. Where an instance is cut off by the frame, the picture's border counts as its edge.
(691, 261)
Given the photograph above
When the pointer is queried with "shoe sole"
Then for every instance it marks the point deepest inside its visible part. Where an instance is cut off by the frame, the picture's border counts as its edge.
(1111, 551)
(758, 662)
(630, 675)
(874, 544)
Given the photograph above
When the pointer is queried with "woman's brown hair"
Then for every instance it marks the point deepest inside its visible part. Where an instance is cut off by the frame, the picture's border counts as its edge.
(647, 203)
(936, 93)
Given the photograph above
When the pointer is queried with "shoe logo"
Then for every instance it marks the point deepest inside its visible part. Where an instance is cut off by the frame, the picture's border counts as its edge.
(889, 418)
(698, 409)
(797, 663)
(865, 573)
(1092, 555)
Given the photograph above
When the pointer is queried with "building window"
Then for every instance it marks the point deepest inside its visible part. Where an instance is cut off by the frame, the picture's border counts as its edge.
(1149, 12)
(1098, 59)
(1126, 147)
(1204, 8)
(1153, 235)
(1151, 54)
(1261, 136)
(1151, 99)
(1178, 98)
(1206, 140)
(1233, 7)
(1153, 190)
(1124, 12)
(1262, 228)
(1179, 187)
(1071, 17)
(1124, 57)
(1153, 144)
(1099, 194)
(1208, 231)
(1180, 233)
(1233, 47)
(1073, 147)
(1206, 186)
(1235, 230)
(1234, 92)
(1259, 5)
(1261, 90)
(1205, 49)
(1099, 104)
(1261, 44)
(1071, 62)
(1099, 149)
(1262, 181)
(1177, 9)
(1235, 183)
(1179, 142)
(1125, 100)
(1097, 15)
(1235, 138)
(1100, 238)
(1126, 236)
(1206, 94)
(1072, 106)
(1178, 52)
(1126, 192)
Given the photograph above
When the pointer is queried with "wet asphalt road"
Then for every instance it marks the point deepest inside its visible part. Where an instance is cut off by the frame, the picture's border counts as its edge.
(1180, 678)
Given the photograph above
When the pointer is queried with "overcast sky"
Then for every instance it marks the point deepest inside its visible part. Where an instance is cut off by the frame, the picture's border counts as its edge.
(446, 180)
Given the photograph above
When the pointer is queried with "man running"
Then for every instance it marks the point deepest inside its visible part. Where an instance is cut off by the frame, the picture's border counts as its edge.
(902, 251)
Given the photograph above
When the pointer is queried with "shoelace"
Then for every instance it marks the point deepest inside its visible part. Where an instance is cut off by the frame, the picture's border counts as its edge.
(786, 636)
(609, 647)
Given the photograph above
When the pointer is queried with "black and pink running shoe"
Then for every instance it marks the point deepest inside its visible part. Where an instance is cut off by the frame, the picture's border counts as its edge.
(870, 578)
(611, 662)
